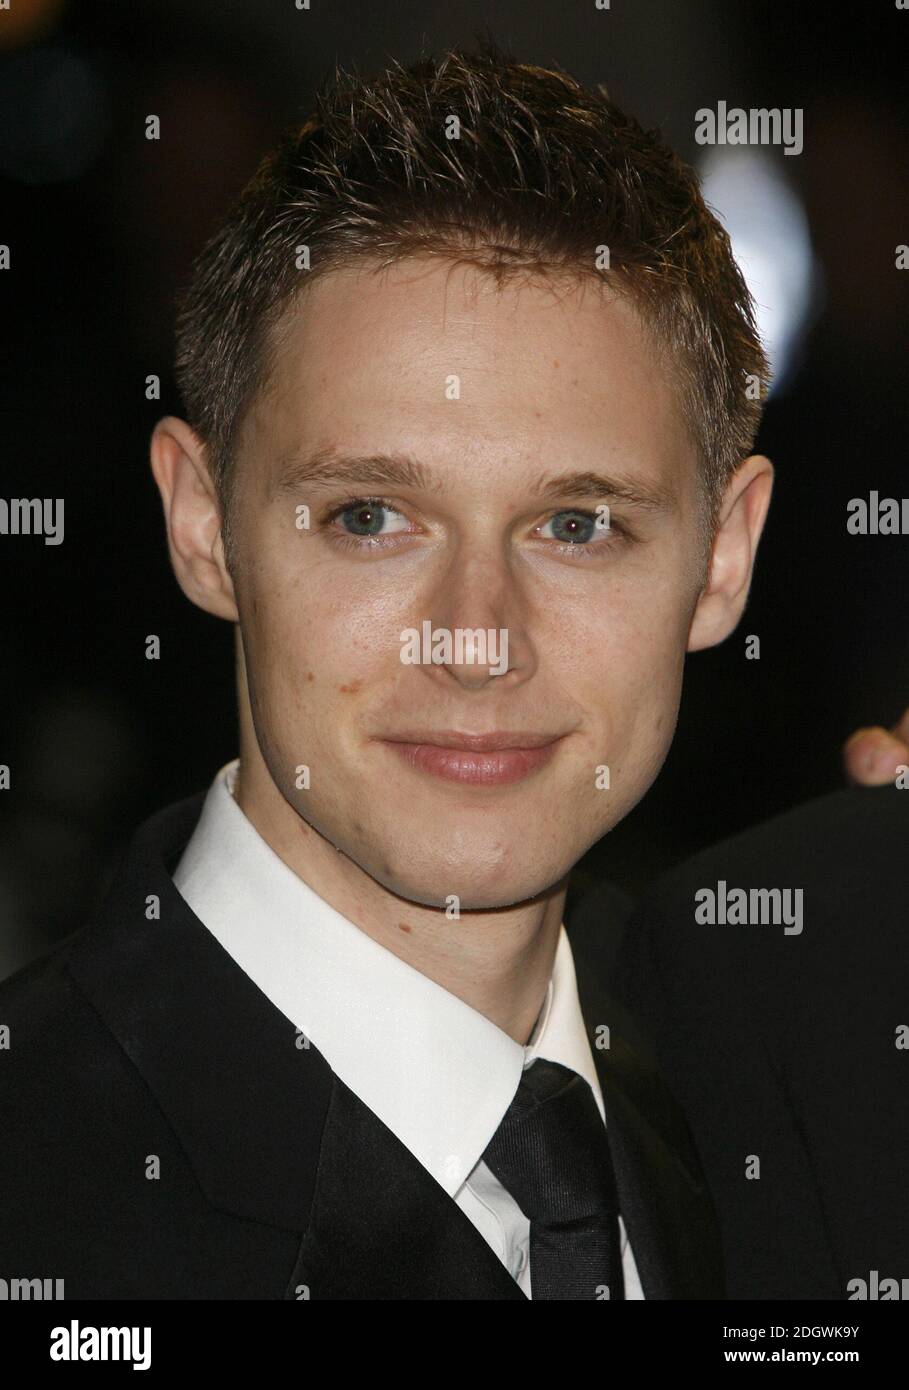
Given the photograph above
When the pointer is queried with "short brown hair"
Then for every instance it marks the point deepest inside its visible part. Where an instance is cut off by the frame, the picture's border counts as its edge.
(543, 173)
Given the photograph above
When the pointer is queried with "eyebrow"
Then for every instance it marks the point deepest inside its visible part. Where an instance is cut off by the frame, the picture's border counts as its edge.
(329, 468)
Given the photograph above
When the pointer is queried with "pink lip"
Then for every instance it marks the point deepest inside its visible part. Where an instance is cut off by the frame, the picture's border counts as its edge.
(478, 759)
(477, 743)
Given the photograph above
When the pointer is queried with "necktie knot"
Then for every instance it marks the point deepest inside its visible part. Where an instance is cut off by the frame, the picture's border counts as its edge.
(552, 1154)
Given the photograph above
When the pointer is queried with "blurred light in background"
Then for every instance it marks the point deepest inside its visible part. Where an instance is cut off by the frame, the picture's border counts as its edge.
(770, 239)
(28, 20)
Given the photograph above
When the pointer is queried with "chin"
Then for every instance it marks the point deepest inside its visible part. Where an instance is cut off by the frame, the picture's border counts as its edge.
(432, 881)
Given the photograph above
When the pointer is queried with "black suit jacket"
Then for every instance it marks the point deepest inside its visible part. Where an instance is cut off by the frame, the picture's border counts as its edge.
(164, 1136)
(784, 1047)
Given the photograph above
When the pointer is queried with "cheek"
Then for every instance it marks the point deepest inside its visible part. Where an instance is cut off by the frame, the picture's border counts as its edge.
(636, 629)
(307, 658)
(633, 666)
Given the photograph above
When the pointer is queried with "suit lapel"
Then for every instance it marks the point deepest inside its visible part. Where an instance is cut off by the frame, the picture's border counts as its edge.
(271, 1134)
(246, 1103)
(663, 1196)
(382, 1227)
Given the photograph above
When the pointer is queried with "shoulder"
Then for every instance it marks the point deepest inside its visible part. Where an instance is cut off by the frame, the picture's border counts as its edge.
(39, 1005)
(60, 1067)
(80, 1131)
(76, 1118)
(837, 861)
(851, 830)
(793, 930)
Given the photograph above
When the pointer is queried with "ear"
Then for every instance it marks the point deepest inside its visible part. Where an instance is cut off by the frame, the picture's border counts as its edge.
(193, 517)
(741, 520)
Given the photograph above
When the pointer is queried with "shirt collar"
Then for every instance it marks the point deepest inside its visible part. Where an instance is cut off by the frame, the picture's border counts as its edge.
(439, 1074)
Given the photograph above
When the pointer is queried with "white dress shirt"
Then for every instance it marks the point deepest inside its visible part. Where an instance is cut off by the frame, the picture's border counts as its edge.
(439, 1074)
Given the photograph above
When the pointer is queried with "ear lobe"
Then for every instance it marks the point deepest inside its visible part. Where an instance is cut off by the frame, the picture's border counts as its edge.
(742, 516)
(192, 516)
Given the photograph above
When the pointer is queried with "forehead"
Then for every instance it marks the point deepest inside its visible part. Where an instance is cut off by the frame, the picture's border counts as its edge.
(438, 359)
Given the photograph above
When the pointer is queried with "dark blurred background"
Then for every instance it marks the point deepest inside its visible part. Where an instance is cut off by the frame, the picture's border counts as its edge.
(102, 226)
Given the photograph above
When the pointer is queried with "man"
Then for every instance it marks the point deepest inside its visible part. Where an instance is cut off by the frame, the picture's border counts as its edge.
(469, 376)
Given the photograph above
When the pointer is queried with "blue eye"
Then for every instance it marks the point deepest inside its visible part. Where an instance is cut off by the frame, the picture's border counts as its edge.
(367, 517)
(573, 527)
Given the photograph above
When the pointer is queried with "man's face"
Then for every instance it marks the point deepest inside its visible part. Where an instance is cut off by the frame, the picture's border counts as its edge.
(496, 395)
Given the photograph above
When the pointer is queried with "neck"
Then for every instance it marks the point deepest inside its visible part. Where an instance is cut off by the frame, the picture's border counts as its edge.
(498, 961)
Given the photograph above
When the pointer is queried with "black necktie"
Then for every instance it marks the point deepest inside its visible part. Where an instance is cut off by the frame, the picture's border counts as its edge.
(552, 1154)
